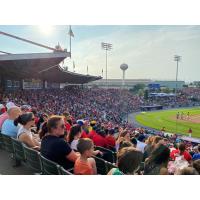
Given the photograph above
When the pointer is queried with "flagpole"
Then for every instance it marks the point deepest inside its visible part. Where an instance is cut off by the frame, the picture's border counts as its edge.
(70, 42)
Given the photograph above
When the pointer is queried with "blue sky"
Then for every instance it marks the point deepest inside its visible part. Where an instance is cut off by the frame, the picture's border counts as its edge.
(148, 50)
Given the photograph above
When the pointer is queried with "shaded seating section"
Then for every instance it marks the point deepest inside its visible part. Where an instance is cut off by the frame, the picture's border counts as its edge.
(18, 150)
(103, 166)
(7, 143)
(63, 171)
(108, 155)
(33, 159)
(1, 141)
(49, 167)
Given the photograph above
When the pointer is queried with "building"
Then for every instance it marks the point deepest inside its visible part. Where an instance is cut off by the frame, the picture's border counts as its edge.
(129, 83)
(37, 71)
(117, 83)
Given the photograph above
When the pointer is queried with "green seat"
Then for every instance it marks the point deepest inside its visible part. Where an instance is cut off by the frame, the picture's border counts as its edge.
(7, 142)
(33, 159)
(108, 155)
(49, 167)
(18, 150)
(109, 166)
(63, 171)
(101, 165)
(1, 141)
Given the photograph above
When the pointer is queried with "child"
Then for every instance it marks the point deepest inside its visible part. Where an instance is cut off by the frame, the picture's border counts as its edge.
(85, 165)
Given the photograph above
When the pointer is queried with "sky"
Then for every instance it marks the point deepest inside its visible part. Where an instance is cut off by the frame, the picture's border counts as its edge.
(148, 50)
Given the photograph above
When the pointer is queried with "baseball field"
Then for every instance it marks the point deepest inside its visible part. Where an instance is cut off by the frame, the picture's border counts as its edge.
(168, 119)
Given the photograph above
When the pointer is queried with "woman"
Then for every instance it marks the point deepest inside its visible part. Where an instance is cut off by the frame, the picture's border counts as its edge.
(157, 162)
(27, 120)
(128, 161)
(149, 147)
(74, 136)
(123, 136)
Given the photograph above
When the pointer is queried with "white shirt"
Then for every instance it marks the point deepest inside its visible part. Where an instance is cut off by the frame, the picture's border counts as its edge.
(141, 146)
(23, 130)
(74, 144)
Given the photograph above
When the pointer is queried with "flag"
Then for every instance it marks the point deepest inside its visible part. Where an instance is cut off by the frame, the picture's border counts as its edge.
(87, 69)
(102, 72)
(70, 32)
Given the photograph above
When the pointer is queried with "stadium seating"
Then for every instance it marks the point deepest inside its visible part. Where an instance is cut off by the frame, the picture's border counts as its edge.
(109, 166)
(108, 155)
(8, 145)
(1, 141)
(101, 165)
(63, 171)
(49, 167)
(33, 159)
(18, 150)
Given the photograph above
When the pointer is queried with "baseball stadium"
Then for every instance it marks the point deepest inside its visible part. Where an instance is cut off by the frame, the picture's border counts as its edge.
(55, 121)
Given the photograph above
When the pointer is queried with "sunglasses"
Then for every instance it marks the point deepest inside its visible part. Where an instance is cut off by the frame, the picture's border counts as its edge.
(33, 119)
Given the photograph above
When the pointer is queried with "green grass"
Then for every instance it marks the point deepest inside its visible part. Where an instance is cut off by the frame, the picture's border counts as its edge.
(159, 119)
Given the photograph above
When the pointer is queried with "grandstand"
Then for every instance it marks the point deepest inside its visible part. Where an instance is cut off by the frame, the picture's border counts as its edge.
(84, 130)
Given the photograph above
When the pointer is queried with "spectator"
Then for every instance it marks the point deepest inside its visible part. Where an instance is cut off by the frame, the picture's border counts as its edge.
(27, 120)
(124, 143)
(85, 165)
(55, 148)
(157, 163)
(196, 165)
(196, 155)
(140, 142)
(110, 140)
(188, 171)
(8, 127)
(4, 115)
(128, 161)
(74, 136)
(99, 138)
(181, 151)
(43, 131)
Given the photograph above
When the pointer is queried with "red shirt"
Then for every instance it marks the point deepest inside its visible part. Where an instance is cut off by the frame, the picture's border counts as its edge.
(110, 140)
(84, 134)
(99, 140)
(67, 126)
(91, 134)
(186, 155)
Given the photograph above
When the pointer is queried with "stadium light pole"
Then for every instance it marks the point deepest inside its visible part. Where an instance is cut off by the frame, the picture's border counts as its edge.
(107, 47)
(177, 59)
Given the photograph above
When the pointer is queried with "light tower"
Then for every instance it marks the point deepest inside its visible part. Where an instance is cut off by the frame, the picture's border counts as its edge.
(177, 59)
(123, 67)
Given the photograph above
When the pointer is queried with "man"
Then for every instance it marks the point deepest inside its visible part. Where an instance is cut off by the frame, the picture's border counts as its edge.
(4, 116)
(55, 148)
(196, 155)
(8, 127)
(140, 142)
(188, 115)
(190, 132)
(177, 115)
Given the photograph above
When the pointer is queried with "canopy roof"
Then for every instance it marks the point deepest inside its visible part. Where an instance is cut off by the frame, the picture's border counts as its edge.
(44, 66)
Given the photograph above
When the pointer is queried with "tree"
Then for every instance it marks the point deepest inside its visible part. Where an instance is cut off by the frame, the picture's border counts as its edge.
(136, 88)
(166, 90)
(146, 94)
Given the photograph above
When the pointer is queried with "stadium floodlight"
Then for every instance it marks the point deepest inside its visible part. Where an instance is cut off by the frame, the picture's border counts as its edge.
(177, 59)
(107, 47)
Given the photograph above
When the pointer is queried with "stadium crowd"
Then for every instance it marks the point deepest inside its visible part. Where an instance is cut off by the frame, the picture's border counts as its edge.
(67, 125)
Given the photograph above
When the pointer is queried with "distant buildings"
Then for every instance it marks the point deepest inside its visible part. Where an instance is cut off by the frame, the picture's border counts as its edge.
(129, 83)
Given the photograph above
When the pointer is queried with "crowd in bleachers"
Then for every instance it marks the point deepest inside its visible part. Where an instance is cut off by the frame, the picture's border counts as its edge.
(78, 128)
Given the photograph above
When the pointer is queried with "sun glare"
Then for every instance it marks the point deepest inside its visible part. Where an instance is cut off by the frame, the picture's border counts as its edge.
(46, 29)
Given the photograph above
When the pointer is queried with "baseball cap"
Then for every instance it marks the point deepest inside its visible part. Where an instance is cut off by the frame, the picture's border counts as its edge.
(10, 105)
